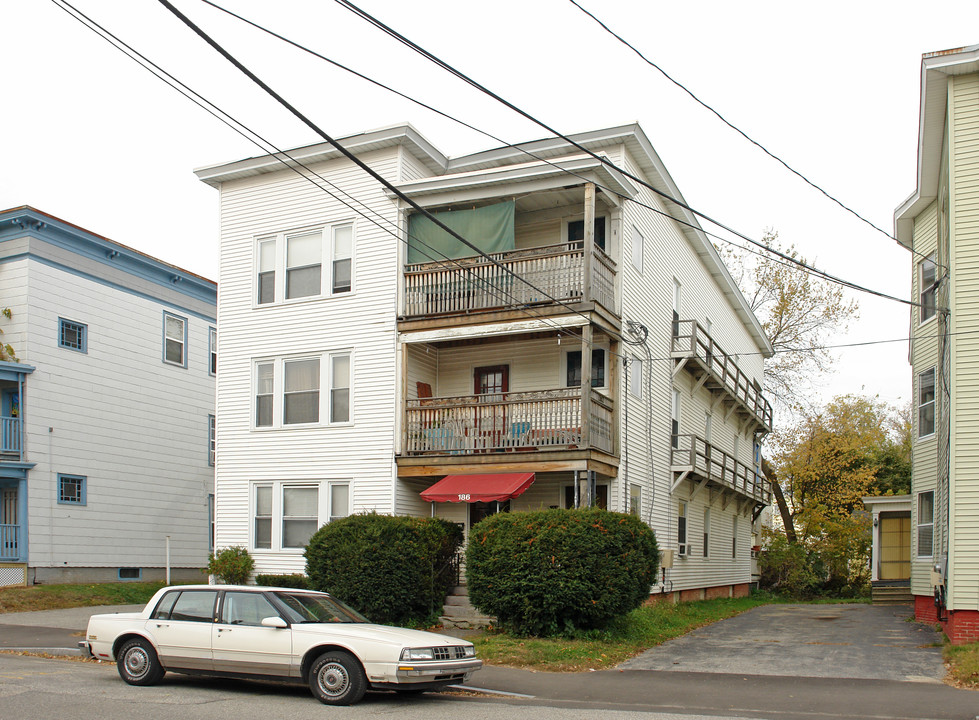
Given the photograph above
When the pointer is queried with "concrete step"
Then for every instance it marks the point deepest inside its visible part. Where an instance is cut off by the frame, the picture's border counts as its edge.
(458, 612)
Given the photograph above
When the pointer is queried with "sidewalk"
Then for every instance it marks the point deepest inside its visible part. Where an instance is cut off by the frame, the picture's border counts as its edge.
(51, 629)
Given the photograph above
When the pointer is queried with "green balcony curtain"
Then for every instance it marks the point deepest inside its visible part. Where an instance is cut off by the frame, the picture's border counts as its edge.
(489, 228)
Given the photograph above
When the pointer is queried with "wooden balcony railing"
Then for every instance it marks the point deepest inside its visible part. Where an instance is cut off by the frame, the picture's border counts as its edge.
(703, 460)
(9, 543)
(9, 434)
(693, 342)
(515, 421)
(552, 273)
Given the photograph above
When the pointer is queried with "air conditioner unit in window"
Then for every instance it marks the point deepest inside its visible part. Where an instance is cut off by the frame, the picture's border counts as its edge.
(684, 549)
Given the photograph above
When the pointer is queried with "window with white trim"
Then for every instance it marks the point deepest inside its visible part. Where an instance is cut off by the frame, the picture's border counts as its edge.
(734, 537)
(211, 439)
(303, 390)
(706, 532)
(311, 264)
(926, 524)
(174, 339)
(681, 528)
(286, 513)
(635, 378)
(212, 351)
(72, 335)
(676, 307)
(928, 287)
(926, 403)
(675, 419)
(635, 499)
(638, 248)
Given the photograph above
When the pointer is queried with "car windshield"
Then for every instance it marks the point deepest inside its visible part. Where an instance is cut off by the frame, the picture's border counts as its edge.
(309, 608)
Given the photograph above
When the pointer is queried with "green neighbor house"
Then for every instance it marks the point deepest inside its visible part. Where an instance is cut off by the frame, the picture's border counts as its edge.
(939, 224)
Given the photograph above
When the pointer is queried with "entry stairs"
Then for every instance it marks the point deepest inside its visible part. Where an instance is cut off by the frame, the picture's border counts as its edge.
(458, 612)
(891, 592)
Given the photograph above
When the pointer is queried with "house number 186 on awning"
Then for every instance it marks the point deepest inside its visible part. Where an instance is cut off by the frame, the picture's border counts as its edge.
(464, 497)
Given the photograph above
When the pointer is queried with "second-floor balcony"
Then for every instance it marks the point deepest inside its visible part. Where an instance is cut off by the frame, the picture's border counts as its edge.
(693, 458)
(548, 275)
(508, 422)
(696, 350)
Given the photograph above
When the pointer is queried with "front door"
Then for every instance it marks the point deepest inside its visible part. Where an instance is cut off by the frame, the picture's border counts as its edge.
(8, 524)
(490, 385)
(895, 548)
(481, 510)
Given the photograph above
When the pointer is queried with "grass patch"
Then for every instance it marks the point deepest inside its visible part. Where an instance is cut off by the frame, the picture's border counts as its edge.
(963, 664)
(628, 636)
(58, 597)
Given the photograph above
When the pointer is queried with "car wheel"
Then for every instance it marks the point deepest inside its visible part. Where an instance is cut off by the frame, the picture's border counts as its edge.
(336, 678)
(138, 663)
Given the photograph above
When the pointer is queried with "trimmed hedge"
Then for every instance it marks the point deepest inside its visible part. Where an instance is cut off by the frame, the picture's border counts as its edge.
(232, 566)
(393, 569)
(292, 580)
(556, 571)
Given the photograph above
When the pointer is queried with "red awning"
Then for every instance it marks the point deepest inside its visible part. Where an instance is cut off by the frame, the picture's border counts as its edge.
(478, 488)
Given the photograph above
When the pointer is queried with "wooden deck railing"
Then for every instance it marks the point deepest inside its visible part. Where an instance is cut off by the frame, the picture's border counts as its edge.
(689, 452)
(693, 342)
(9, 434)
(524, 421)
(552, 273)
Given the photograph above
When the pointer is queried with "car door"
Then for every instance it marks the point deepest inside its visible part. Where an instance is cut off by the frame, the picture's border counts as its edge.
(241, 644)
(181, 627)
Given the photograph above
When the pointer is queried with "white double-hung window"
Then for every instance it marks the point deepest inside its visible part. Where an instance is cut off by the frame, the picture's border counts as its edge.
(304, 265)
(286, 513)
(304, 390)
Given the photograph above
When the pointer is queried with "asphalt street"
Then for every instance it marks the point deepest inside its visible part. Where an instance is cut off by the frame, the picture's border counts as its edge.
(790, 662)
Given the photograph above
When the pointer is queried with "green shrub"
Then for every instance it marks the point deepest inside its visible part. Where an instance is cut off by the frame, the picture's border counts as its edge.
(293, 580)
(559, 571)
(233, 565)
(394, 570)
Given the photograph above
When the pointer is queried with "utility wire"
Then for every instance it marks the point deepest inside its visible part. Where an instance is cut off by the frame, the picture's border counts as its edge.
(604, 160)
(730, 124)
(761, 253)
(279, 154)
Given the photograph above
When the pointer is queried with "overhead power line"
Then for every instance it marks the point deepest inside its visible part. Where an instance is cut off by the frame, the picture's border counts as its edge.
(731, 125)
(604, 160)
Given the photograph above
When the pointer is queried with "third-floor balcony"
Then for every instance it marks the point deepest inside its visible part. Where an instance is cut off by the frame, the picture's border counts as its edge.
(696, 351)
(693, 458)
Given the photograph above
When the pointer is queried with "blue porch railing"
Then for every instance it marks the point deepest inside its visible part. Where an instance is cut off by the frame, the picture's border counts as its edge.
(9, 543)
(9, 434)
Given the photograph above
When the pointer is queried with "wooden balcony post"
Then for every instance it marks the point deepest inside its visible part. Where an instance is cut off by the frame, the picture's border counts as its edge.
(589, 254)
(586, 344)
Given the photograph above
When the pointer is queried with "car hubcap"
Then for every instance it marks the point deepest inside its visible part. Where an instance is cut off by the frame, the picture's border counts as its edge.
(333, 679)
(137, 662)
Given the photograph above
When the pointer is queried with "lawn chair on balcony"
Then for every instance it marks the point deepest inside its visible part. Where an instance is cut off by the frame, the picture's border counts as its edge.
(519, 437)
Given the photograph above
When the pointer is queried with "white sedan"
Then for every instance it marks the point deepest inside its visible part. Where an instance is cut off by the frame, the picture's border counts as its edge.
(275, 633)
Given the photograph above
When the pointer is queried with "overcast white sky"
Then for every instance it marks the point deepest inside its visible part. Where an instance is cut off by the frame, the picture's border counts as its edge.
(832, 88)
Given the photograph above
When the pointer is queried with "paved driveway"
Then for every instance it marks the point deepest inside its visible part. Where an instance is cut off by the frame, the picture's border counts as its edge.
(831, 641)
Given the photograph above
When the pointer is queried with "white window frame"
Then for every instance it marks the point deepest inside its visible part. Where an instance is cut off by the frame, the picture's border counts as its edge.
(734, 538)
(636, 378)
(682, 531)
(675, 419)
(326, 390)
(924, 405)
(211, 439)
(707, 532)
(324, 509)
(212, 351)
(635, 499)
(183, 340)
(927, 295)
(924, 526)
(638, 249)
(328, 258)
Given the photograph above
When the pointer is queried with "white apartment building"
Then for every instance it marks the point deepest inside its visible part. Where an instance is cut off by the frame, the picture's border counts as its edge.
(372, 362)
(108, 414)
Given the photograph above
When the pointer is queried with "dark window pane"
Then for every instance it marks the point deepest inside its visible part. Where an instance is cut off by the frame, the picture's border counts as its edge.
(263, 532)
(195, 606)
(303, 282)
(263, 411)
(296, 533)
(340, 405)
(301, 407)
(266, 287)
(341, 276)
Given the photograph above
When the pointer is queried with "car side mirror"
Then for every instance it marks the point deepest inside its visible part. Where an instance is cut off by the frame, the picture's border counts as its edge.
(274, 622)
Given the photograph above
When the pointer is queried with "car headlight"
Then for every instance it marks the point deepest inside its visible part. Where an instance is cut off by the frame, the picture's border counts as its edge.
(418, 654)
(470, 651)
